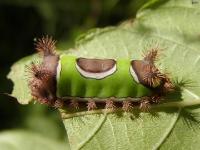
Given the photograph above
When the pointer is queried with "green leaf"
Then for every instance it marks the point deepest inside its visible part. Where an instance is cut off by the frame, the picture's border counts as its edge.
(174, 124)
(175, 29)
(20, 76)
(25, 140)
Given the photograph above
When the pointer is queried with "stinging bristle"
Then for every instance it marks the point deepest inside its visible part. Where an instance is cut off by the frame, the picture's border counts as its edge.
(156, 98)
(168, 85)
(35, 86)
(110, 104)
(42, 82)
(153, 76)
(38, 71)
(91, 105)
(145, 104)
(39, 81)
(127, 106)
(46, 45)
(35, 70)
(152, 55)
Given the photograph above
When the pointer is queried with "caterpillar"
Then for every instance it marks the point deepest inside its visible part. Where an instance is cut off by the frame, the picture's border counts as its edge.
(69, 80)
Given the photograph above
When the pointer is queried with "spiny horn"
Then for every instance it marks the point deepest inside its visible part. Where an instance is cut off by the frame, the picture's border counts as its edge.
(38, 71)
(152, 55)
(46, 45)
(153, 76)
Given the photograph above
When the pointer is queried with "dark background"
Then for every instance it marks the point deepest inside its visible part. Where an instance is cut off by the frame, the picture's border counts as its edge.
(23, 20)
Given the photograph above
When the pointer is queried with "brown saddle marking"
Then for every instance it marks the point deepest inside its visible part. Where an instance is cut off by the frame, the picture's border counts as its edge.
(139, 67)
(95, 65)
(147, 73)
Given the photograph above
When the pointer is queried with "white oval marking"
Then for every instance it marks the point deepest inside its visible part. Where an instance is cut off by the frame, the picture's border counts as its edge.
(134, 75)
(58, 70)
(100, 75)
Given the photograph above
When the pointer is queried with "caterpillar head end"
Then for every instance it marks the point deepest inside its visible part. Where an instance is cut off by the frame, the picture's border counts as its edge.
(43, 76)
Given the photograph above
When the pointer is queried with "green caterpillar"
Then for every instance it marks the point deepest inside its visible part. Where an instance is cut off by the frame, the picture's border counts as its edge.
(65, 79)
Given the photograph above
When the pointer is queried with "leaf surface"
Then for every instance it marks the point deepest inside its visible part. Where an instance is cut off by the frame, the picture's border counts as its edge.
(20, 76)
(25, 140)
(174, 27)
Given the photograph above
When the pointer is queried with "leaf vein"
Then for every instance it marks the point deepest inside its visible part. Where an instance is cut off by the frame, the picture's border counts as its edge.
(168, 131)
(96, 129)
(168, 39)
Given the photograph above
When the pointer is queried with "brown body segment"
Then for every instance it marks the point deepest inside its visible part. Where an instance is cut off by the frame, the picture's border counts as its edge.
(147, 73)
(138, 66)
(150, 76)
(95, 65)
(43, 81)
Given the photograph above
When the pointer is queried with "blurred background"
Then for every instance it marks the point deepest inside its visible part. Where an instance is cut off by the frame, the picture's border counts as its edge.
(23, 20)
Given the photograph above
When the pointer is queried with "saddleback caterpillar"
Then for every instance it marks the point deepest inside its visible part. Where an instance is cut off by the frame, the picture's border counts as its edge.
(67, 80)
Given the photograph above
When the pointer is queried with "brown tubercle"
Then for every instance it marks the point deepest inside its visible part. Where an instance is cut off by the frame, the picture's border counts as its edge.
(147, 74)
(152, 55)
(91, 105)
(127, 105)
(43, 76)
